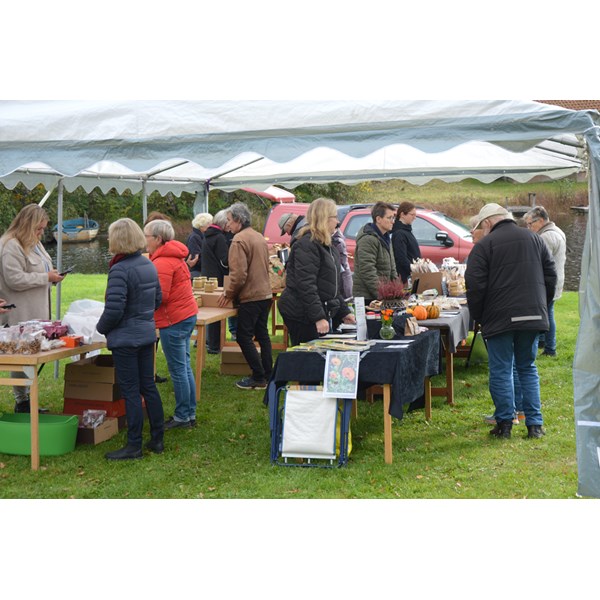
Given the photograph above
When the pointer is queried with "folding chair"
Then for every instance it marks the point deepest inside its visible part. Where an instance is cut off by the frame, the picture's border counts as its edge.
(309, 429)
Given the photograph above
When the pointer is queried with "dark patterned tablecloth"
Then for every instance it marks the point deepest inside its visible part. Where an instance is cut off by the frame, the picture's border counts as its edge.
(403, 368)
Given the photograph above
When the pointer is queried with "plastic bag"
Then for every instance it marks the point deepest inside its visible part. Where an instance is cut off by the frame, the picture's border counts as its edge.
(82, 317)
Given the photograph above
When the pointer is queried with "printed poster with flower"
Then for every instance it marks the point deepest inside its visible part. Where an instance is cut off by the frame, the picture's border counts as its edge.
(341, 374)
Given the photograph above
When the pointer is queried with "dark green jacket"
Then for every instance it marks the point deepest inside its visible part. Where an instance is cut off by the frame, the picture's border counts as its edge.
(373, 260)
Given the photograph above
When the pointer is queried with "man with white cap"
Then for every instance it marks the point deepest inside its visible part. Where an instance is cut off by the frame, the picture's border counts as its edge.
(510, 280)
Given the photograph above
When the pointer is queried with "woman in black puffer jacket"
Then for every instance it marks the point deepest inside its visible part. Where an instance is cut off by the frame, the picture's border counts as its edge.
(312, 297)
(133, 293)
(215, 263)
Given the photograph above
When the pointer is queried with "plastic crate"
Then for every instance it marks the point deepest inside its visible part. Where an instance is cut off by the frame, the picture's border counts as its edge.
(57, 434)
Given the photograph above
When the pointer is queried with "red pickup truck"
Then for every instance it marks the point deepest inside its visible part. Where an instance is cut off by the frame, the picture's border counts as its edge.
(438, 235)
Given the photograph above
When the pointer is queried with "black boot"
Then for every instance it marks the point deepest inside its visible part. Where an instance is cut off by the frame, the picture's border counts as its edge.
(126, 453)
(25, 407)
(156, 446)
(535, 431)
(502, 429)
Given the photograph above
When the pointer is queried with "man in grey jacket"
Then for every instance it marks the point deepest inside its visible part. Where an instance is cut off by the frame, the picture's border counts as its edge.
(538, 221)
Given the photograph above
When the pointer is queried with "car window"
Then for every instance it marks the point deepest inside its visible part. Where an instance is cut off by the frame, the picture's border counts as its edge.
(354, 225)
(425, 232)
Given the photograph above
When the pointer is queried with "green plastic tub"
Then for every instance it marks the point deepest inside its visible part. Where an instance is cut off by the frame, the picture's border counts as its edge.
(57, 434)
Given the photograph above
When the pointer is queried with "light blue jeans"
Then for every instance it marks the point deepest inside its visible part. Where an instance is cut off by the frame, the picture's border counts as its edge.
(175, 341)
(518, 350)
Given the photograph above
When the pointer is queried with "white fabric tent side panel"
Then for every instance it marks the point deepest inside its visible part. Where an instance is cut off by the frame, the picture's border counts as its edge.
(586, 367)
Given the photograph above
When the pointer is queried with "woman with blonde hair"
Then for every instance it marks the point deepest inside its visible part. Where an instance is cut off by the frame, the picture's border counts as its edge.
(26, 278)
(133, 293)
(312, 302)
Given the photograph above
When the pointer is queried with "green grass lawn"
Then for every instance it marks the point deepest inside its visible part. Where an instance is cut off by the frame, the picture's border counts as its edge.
(227, 455)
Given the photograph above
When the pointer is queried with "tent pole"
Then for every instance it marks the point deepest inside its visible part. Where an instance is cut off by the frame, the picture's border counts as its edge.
(59, 243)
(144, 202)
(201, 202)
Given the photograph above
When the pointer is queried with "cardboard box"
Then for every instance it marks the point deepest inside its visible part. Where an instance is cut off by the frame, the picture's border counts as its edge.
(211, 299)
(92, 390)
(235, 369)
(233, 355)
(96, 435)
(76, 406)
(428, 281)
(97, 368)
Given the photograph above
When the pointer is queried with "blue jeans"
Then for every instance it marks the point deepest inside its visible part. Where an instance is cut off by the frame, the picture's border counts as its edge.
(134, 368)
(518, 350)
(175, 341)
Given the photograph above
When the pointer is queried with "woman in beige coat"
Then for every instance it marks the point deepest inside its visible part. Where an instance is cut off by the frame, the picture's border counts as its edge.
(26, 274)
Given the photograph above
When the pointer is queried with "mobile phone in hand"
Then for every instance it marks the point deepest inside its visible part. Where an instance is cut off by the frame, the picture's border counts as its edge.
(9, 306)
(66, 271)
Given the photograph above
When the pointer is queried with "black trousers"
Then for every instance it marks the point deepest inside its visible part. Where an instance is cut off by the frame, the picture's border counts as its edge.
(253, 318)
(213, 336)
(134, 368)
(300, 331)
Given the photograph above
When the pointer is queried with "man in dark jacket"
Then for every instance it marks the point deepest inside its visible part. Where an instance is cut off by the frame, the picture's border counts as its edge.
(510, 279)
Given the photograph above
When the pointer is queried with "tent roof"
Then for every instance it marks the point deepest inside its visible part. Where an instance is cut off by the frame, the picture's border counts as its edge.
(183, 145)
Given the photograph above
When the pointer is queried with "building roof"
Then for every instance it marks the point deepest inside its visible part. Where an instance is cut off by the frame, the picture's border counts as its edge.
(574, 104)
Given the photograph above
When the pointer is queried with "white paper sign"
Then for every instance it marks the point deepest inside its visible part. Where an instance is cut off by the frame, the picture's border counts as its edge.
(361, 319)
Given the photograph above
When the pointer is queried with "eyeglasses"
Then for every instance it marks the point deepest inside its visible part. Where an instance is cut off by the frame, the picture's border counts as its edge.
(390, 218)
(530, 223)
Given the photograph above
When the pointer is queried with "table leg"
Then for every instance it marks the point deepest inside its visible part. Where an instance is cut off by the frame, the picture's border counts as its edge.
(427, 398)
(200, 353)
(450, 377)
(387, 424)
(354, 413)
(34, 418)
(448, 390)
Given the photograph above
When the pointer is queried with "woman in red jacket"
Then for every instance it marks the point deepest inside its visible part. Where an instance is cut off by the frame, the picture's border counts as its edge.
(175, 317)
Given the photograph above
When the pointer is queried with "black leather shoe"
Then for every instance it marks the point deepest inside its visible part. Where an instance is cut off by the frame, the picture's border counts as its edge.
(159, 379)
(193, 422)
(126, 453)
(156, 446)
(25, 407)
(171, 423)
(502, 430)
(535, 431)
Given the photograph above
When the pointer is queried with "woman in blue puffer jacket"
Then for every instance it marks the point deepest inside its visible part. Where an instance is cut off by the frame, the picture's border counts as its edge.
(133, 293)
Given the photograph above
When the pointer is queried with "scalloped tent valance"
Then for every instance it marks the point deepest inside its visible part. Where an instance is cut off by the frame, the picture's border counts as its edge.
(187, 146)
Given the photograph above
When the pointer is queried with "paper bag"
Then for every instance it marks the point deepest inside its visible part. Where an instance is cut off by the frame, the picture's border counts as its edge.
(411, 327)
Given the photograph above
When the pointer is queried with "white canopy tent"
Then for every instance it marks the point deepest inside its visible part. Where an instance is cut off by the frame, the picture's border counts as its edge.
(171, 146)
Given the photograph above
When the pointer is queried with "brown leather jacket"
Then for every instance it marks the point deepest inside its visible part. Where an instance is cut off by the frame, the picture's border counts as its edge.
(248, 268)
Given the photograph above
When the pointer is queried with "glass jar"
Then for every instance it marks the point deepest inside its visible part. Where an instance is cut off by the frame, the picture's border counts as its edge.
(387, 331)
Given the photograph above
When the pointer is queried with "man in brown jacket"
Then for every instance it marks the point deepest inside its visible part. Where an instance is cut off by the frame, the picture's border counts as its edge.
(250, 290)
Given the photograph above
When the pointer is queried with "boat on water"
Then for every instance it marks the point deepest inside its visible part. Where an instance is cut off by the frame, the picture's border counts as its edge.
(82, 229)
